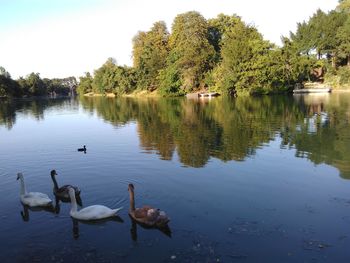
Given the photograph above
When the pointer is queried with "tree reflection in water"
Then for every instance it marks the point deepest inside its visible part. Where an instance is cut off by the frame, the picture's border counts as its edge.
(223, 128)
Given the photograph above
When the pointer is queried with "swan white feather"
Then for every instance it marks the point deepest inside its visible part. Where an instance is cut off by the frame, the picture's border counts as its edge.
(93, 212)
(32, 199)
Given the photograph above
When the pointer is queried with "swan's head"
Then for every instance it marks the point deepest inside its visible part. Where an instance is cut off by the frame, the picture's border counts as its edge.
(53, 173)
(131, 187)
(19, 175)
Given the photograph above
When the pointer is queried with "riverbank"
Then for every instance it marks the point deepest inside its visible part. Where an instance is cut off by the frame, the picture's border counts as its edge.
(155, 93)
(142, 93)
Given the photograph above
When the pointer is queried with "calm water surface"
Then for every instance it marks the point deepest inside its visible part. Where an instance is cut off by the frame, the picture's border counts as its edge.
(243, 180)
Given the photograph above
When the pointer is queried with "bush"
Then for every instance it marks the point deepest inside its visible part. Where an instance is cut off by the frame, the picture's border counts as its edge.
(339, 78)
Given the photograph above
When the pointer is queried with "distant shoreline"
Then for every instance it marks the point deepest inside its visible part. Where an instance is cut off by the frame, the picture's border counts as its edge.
(142, 93)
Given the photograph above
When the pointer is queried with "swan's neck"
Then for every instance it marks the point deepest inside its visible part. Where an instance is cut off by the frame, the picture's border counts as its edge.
(132, 200)
(23, 190)
(54, 182)
(73, 202)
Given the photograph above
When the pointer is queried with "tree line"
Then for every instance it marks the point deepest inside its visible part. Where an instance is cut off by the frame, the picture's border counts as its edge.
(34, 85)
(223, 54)
(226, 55)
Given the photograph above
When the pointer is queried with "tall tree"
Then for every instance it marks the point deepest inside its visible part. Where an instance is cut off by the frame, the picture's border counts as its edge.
(33, 85)
(218, 27)
(8, 87)
(330, 42)
(104, 77)
(150, 50)
(343, 38)
(248, 64)
(85, 84)
(191, 51)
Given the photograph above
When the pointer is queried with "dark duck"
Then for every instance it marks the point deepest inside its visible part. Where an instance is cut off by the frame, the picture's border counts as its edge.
(82, 149)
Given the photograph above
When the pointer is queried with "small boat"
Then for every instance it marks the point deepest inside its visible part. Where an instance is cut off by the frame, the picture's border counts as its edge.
(208, 94)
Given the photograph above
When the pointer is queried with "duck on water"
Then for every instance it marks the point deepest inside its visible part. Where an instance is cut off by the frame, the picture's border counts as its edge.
(82, 149)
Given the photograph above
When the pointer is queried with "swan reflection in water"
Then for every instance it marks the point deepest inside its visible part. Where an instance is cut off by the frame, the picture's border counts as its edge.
(55, 209)
(26, 208)
(92, 222)
(133, 231)
(65, 200)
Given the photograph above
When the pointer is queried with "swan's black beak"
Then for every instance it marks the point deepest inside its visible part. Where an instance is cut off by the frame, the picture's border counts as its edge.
(17, 178)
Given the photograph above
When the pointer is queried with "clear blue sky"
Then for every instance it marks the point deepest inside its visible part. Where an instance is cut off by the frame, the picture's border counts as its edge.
(60, 38)
(17, 12)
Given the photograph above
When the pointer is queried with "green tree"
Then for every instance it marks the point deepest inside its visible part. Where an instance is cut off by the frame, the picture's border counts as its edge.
(217, 29)
(319, 35)
(33, 85)
(249, 65)
(150, 50)
(170, 79)
(85, 84)
(330, 42)
(60, 86)
(190, 50)
(295, 67)
(125, 79)
(8, 87)
(302, 38)
(343, 38)
(104, 77)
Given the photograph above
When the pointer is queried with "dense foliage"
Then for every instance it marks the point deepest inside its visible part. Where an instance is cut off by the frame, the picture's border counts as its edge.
(226, 55)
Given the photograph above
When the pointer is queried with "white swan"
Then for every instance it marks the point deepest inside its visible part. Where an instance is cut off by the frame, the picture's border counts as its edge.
(93, 212)
(32, 199)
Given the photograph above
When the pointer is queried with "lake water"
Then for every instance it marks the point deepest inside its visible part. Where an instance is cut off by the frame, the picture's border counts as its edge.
(261, 179)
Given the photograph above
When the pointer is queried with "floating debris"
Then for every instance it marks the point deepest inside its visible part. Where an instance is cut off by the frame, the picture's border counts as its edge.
(314, 245)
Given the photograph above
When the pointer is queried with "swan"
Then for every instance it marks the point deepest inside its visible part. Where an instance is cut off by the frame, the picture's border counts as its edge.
(94, 212)
(146, 215)
(63, 191)
(32, 199)
(82, 149)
